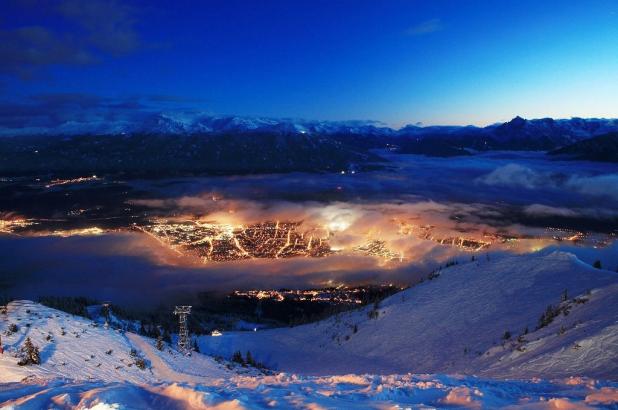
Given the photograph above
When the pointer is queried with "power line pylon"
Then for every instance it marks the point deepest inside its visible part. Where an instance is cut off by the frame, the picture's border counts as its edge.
(105, 308)
(183, 333)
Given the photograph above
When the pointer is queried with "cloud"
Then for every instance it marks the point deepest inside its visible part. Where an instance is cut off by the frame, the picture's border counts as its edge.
(598, 185)
(132, 268)
(519, 176)
(26, 49)
(514, 175)
(425, 27)
(545, 210)
(90, 31)
(55, 110)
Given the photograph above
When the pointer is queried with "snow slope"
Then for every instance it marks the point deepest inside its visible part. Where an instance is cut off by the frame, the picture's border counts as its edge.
(83, 351)
(456, 323)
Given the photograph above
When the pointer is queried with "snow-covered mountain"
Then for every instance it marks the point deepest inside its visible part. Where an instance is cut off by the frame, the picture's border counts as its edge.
(546, 133)
(188, 123)
(192, 122)
(196, 122)
(86, 366)
(479, 318)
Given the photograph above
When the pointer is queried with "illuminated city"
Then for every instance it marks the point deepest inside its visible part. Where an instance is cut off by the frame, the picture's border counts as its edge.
(215, 242)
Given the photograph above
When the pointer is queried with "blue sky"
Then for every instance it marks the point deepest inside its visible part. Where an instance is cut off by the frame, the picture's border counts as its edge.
(399, 61)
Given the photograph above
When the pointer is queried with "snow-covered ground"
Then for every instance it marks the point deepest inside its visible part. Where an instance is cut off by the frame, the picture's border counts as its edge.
(417, 337)
(456, 323)
(335, 392)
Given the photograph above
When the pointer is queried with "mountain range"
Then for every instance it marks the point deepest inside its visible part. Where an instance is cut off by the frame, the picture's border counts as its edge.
(546, 130)
(192, 144)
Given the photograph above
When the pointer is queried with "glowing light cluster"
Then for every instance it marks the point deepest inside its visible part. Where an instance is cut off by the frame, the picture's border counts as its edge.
(222, 242)
(462, 242)
(336, 295)
(13, 225)
(56, 182)
(77, 232)
(379, 248)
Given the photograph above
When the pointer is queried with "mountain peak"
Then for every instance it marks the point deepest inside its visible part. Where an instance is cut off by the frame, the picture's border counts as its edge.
(517, 121)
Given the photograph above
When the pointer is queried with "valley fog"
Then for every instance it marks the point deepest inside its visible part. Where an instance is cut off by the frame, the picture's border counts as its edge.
(164, 240)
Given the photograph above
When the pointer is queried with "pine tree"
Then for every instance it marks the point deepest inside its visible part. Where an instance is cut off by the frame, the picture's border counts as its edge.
(250, 360)
(548, 316)
(30, 354)
(159, 345)
(237, 357)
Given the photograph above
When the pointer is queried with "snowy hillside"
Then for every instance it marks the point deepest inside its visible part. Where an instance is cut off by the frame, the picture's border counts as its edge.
(471, 319)
(77, 348)
(76, 371)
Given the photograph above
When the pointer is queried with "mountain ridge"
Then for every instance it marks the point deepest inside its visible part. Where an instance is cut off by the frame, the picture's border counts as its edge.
(204, 123)
(600, 148)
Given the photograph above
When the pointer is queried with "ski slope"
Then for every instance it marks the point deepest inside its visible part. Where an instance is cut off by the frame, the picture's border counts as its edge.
(456, 322)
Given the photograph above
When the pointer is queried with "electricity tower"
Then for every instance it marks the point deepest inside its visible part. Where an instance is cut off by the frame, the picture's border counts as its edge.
(183, 333)
(105, 307)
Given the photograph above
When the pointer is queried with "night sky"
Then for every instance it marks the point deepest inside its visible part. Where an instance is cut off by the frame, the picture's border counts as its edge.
(398, 61)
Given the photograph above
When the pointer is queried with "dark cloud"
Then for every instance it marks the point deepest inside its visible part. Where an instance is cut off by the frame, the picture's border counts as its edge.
(109, 24)
(41, 113)
(26, 49)
(55, 109)
(89, 31)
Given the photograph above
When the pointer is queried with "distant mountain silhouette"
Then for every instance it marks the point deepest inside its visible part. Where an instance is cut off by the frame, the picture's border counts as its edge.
(601, 148)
